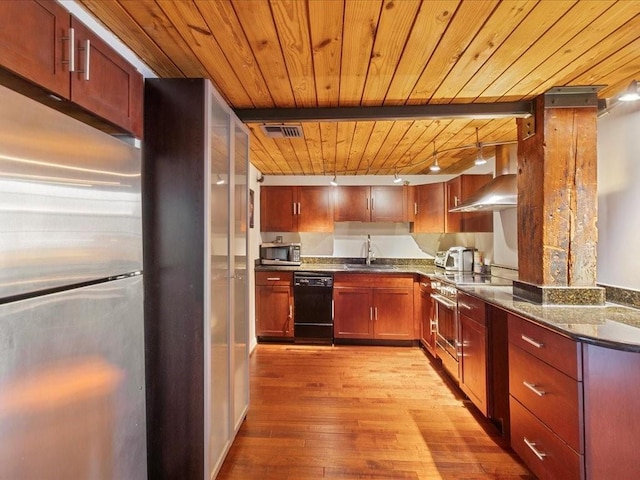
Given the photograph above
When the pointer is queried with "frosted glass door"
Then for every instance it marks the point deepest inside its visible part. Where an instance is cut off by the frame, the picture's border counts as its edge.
(240, 359)
(219, 405)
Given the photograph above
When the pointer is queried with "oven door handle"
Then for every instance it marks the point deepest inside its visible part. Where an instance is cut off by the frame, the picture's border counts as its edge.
(444, 301)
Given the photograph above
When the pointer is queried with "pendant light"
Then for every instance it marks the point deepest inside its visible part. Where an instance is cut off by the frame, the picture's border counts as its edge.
(631, 94)
(480, 160)
(435, 167)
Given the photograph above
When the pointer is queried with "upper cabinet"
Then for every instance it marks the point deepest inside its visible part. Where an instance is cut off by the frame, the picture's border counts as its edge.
(429, 208)
(457, 191)
(42, 43)
(296, 209)
(371, 204)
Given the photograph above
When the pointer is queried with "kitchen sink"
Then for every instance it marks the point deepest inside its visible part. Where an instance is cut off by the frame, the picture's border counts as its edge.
(373, 266)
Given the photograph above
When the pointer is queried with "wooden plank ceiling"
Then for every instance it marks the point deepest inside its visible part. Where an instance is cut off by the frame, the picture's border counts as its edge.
(352, 53)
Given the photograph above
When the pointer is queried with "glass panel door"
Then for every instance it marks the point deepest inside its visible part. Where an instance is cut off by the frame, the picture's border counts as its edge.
(240, 360)
(219, 407)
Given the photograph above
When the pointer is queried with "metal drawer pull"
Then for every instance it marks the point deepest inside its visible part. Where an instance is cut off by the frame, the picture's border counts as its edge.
(532, 387)
(533, 448)
(87, 61)
(273, 279)
(376, 310)
(371, 313)
(72, 50)
(531, 341)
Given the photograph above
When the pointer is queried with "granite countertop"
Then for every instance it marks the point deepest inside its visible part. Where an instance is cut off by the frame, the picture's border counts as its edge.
(610, 325)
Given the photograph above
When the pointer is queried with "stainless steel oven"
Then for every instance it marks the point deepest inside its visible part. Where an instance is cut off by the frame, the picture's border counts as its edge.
(447, 328)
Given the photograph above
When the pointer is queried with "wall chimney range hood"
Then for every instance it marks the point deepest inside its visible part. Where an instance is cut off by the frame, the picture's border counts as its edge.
(499, 194)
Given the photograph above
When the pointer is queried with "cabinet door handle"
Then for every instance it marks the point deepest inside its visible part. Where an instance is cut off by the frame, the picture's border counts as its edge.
(531, 341)
(370, 313)
(290, 311)
(372, 204)
(72, 50)
(376, 312)
(433, 325)
(533, 388)
(415, 208)
(298, 208)
(87, 59)
(294, 207)
(533, 448)
(455, 200)
(367, 199)
(273, 279)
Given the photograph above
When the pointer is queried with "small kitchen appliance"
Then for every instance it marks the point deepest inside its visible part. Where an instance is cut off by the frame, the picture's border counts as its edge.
(459, 259)
(280, 253)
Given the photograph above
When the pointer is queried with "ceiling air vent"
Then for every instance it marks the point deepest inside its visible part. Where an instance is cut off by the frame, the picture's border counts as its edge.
(282, 131)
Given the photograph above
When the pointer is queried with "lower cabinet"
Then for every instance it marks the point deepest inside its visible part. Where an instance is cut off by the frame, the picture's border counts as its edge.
(427, 317)
(365, 311)
(473, 363)
(274, 305)
(546, 400)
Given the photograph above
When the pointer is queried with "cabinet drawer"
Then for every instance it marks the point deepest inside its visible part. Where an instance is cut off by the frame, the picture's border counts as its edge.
(556, 461)
(373, 280)
(472, 307)
(273, 278)
(558, 351)
(558, 402)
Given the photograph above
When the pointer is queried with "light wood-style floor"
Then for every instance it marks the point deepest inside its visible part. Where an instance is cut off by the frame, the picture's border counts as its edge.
(354, 412)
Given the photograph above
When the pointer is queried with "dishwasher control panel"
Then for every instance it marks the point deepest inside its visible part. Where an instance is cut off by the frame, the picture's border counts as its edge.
(312, 280)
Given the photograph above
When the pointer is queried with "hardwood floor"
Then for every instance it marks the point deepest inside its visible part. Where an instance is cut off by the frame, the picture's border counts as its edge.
(352, 412)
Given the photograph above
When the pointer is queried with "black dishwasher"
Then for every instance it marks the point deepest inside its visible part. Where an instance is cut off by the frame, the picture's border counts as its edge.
(313, 307)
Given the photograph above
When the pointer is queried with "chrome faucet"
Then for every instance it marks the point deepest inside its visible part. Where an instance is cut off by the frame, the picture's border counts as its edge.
(370, 253)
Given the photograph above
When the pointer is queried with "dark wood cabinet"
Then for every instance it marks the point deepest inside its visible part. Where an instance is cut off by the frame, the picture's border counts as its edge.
(393, 313)
(427, 315)
(274, 304)
(368, 306)
(429, 208)
(296, 209)
(42, 43)
(612, 423)
(352, 204)
(546, 400)
(34, 43)
(474, 378)
(353, 317)
(388, 203)
(104, 82)
(377, 203)
(457, 191)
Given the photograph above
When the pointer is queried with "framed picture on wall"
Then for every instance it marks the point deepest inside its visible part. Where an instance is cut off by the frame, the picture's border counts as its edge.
(251, 208)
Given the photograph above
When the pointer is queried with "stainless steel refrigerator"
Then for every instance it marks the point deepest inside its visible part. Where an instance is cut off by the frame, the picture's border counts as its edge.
(72, 386)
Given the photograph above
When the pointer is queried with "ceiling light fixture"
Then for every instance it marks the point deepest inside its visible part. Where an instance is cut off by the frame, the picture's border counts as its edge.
(396, 178)
(435, 167)
(480, 160)
(220, 180)
(334, 181)
(631, 94)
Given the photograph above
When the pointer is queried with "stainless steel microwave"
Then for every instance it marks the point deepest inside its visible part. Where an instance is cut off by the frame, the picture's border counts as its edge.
(280, 254)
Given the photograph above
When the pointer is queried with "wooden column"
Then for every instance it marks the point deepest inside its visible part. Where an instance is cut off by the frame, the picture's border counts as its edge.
(557, 201)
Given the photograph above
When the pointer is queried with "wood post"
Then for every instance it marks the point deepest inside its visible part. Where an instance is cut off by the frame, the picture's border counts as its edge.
(557, 195)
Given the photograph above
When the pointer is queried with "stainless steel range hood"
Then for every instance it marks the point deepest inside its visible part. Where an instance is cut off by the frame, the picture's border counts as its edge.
(499, 194)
